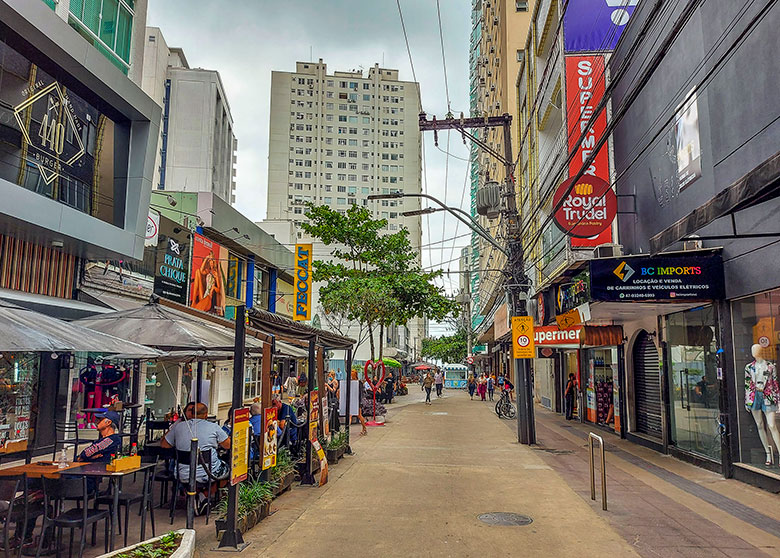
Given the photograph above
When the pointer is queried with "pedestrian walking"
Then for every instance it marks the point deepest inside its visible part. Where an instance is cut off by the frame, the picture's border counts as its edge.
(438, 379)
(472, 385)
(491, 386)
(482, 386)
(426, 385)
(569, 397)
(389, 386)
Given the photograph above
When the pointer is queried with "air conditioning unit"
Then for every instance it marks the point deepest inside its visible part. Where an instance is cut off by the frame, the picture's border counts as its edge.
(693, 244)
(608, 251)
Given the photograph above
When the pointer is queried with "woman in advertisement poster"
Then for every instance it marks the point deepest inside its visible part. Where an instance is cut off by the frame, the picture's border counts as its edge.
(207, 292)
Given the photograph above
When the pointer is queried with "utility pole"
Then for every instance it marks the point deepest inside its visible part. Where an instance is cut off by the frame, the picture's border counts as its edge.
(517, 284)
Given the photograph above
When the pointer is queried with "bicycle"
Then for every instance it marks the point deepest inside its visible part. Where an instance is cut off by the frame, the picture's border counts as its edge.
(504, 407)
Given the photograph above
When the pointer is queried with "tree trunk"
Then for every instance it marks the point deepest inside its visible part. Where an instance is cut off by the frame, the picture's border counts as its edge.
(371, 339)
(381, 339)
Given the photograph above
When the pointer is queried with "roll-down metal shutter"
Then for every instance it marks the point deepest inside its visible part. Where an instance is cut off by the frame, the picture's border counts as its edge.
(647, 386)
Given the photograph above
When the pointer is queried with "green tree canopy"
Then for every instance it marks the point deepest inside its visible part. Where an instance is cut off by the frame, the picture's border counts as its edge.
(447, 348)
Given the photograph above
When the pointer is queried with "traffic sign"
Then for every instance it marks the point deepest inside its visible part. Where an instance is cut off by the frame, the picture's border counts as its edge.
(470, 359)
(523, 336)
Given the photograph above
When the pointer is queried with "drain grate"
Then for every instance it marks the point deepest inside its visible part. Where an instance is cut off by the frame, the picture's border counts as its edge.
(505, 518)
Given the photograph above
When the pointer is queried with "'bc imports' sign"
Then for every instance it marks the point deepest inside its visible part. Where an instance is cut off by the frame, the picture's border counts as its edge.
(302, 282)
(669, 278)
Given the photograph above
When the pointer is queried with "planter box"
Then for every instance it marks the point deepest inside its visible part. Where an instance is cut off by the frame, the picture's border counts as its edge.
(245, 523)
(341, 451)
(186, 546)
(284, 483)
(333, 456)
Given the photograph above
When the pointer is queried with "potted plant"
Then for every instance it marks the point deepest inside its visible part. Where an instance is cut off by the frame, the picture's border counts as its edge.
(254, 499)
(336, 447)
(176, 544)
(283, 473)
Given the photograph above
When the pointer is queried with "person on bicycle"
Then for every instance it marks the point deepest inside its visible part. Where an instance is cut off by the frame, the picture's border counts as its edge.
(509, 388)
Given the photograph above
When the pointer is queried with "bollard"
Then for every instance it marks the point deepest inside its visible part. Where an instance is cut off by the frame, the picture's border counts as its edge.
(192, 489)
(591, 437)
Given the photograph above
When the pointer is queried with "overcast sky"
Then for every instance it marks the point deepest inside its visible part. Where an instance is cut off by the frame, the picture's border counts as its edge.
(246, 39)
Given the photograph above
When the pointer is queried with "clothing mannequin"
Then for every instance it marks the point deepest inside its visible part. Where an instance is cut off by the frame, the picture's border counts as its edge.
(762, 394)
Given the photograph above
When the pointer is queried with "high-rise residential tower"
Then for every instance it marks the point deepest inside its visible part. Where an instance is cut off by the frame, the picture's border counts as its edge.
(337, 138)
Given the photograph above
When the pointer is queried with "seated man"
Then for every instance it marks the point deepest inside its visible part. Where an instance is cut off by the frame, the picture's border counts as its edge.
(109, 443)
(209, 435)
(256, 418)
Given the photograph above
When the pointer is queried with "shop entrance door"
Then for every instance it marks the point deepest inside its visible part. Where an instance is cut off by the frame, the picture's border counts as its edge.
(693, 386)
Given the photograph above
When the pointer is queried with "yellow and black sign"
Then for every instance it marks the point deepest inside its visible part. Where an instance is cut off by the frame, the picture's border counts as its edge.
(523, 336)
(303, 255)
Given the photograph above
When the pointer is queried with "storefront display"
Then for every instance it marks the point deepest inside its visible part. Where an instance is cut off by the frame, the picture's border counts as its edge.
(18, 399)
(693, 386)
(756, 340)
(602, 395)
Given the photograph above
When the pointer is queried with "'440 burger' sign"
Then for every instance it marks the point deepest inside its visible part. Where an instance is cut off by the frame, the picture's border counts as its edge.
(588, 209)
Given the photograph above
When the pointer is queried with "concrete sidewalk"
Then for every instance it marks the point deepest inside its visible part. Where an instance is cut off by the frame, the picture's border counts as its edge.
(417, 485)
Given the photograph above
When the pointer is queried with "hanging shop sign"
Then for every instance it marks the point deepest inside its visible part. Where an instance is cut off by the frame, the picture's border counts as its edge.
(152, 228)
(553, 336)
(171, 260)
(523, 336)
(303, 254)
(590, 208)
(670, 278)
(595, 25)
(269, 439)
(208, 275)
(239, 453)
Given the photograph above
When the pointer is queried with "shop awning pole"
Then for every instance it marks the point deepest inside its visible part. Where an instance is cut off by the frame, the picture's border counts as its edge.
(307, 477)
(199, 381)
(232, 536)
(348, 368)
(135, 388)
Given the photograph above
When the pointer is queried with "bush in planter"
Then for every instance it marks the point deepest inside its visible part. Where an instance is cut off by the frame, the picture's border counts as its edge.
(161, 548)
(251, 495)
(285, 464)
(337, 441)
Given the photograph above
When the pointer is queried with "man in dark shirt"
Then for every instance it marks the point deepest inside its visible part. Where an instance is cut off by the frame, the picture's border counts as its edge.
(109, 443)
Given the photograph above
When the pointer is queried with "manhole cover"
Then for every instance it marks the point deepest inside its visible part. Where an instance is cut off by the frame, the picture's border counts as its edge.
(504, 518)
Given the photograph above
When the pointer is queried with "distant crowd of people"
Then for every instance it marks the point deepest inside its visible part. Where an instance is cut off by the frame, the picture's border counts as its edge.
(485, 386)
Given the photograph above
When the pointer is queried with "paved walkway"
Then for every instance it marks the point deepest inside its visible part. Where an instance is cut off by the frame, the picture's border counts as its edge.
(416, 486)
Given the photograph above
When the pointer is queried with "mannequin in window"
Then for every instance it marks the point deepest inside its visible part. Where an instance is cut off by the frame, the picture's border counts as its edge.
(762, 394)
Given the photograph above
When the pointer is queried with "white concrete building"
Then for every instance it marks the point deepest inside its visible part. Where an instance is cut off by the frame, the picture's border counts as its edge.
(337, 138)
(197, 151)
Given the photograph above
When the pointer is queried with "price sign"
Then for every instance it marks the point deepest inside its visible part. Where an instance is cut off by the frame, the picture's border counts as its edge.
(523, 336)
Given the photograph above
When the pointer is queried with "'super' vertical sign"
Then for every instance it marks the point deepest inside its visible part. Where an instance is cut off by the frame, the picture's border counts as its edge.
(303, 255)
(584, 90)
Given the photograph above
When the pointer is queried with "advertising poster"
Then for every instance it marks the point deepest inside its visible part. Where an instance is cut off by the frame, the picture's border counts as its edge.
(208, 275)
(269, 438)
(152, 228)
(686, 133)
(591, 391)
(323, 462)
(239, 443)
(285, 298)
(314, 415)
(303, 255)
(595, 25)
(172, 254)
(589, 199)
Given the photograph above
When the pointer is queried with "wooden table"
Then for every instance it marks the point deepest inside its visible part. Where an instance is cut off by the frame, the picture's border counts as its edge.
(99, 471)
(39, 469)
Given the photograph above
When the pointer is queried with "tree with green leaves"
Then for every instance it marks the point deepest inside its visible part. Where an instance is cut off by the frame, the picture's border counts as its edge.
(447, 348)
(374, 278)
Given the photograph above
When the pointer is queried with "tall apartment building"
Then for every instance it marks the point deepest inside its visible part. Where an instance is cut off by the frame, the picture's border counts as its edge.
(337, 138)
(197, 151)
(499, 28)
(114, 27)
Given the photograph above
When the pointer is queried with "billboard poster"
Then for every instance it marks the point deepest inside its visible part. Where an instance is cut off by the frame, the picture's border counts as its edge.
(670, 278)
(686, 133)
(584, 91)
(595, 25)
(208, 275)
(171, 258)
(303, 256)
(269, 438)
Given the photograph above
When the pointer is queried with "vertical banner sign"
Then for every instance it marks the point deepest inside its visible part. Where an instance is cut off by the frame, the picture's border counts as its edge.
(208, 275)
(303, 256)
(323, 462)
(239, 454)
(314, 415)
(584, 90)
(152, 228)
(523, 336)
(269, 439)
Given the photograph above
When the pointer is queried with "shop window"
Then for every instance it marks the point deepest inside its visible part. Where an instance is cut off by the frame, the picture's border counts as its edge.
(251, 380)
(601, 392)
(756, 329)
(693, 385)
(19, 374)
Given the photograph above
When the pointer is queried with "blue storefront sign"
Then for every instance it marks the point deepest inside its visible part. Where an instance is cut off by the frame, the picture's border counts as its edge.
(595, 25)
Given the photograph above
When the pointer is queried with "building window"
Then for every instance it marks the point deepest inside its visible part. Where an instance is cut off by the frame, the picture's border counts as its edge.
(521, 5)
(520, 54)
(106, 24)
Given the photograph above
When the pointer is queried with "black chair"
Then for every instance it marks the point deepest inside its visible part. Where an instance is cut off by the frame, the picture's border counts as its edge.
(55, 493)
(203, 459)
(68, 433)
(15, 507)
(165, 475)
(153, 426)
(127, 499)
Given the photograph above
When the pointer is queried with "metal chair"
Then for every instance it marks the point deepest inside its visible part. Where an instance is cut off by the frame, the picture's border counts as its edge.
(15, 508)
(67, 433)
(204, 460)
(55, 493)
(165, 476)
